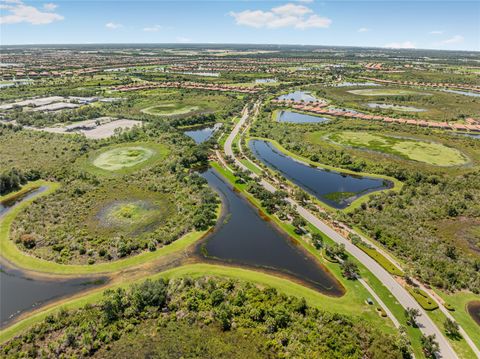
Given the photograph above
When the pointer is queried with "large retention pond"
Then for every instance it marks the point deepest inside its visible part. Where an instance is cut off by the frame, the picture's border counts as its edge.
(334, 188)
(243, 237)
(19, 292)
(296, 117)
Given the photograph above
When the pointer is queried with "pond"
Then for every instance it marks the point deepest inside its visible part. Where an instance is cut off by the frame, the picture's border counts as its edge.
(472, 135)
(202, 134)
(20, 293)
(473, 309)
(243, 237)
(464, 93)
(296, 117)
(265, 81)
(336, 189)
(395, 107)
(298, 96)
(348, 84)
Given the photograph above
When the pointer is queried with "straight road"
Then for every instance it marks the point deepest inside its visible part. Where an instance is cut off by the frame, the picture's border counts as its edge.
(426, 325)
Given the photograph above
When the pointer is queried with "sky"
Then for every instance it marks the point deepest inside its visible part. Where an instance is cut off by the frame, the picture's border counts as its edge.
(441, 24)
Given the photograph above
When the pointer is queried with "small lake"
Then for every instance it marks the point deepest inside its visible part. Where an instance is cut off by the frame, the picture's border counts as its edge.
(348, 84)
(265, 81)
(464, 93)
(395, 107)
(298, 96)
(243, 237)
(296, 117)
(19, 293)
(336, 189)
(471, 135)
(473, 309)
(202, 134)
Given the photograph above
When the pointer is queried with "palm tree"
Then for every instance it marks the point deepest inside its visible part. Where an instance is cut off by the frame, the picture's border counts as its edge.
(429, 345)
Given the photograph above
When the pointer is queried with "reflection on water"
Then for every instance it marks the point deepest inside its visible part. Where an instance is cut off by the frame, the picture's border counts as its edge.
(243, 237)
(334, 188)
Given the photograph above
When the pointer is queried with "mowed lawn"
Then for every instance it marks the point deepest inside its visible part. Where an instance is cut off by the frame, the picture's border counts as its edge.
(124, 158)
(173, 109)
(432, 153)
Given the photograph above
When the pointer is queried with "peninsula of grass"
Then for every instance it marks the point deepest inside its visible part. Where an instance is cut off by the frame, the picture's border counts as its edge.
(123, 158)
(195, 271)
(17, 257)
(432, 153)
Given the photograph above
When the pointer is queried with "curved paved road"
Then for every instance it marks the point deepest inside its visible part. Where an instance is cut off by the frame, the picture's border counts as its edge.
(426, 325)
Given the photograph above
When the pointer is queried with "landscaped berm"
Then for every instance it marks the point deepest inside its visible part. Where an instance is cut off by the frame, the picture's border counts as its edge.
(412, 149)
(126, 158)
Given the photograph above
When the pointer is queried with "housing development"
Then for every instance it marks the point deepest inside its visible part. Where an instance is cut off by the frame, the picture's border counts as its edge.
(237, 200)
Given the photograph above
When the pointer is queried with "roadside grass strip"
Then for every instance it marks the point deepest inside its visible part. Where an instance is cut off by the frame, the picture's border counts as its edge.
(422, 298)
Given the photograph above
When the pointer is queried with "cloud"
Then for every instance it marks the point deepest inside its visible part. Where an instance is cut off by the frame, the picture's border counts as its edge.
(401, 45)
(153, 28)
(363, 29)
(436, 32)
(288, 15)
(18, 12)
(457, 39)
(183, 39)
(113, 25)
(305, 1)
(50, 6)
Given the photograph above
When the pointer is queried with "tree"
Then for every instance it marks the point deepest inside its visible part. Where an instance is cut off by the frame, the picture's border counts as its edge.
(298, 222)
(429, 345)
(451, 328)
(317, 240)
(411, 314)
(349, 269)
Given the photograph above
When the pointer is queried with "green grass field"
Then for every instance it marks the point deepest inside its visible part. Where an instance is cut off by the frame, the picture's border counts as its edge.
(171, 109)
(122, 157)
(428, 152)
(119, 159)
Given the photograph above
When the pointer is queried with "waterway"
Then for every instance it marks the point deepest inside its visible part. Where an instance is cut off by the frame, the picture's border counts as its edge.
(336, 189)
(243, 237)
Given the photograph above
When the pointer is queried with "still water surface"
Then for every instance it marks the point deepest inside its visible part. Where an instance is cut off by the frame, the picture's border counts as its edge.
(243, 237)
(334, 188)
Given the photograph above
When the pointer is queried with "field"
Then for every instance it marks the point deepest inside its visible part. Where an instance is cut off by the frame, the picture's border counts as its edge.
(172, 109)
(122, 157)
(125, 158)
(428, 152)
